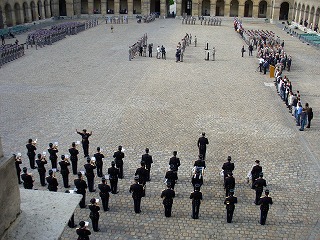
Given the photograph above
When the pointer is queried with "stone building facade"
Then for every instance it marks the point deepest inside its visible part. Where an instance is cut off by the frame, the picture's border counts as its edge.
(15, 12)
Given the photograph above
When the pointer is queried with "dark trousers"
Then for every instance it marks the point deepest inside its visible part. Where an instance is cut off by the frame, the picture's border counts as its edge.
(85, 147)
(95, 221)
(105, 203)
(65, 178)
(264, 70)
(114, 185)
(18, 174)
(31, 160)
(148, 169)
(229, 215)
(82, 203)
(227, 191)
(99, 170)
(42, 178)
(195, 209)
(90, 181)
(202, 151)
(54, 163)
(120, 167)
(71, 222)
(137, 202)
(74, 166)
(167, 210)
(263, 217)
(258, 195)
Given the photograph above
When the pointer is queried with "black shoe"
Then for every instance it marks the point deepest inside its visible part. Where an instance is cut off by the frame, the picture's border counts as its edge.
(92, 190)
(44, 185)
(98, 230)
(74, 226)
(67, 186)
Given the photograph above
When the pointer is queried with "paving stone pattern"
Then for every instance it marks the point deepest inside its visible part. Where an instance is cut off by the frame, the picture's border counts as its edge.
(86, 81)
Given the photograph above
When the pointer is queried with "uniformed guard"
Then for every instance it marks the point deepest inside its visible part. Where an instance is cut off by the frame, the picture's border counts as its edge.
(229, 183)
(172, 176)
(195, 41)
(227, 167)
(197, 178)
(256, 170)
(83, 232)
(200, 162)
(31, 146)
(89, 166)
(147, 158)
(52, 182)
(81, 187)
(119, 155)
(64, 163)
(264, 207)
(104, 194)
(175, 161)
(85, 141)
(230, 202)
(258, 186)
(94, 214)
(142, 173)
(99, 161)
(168, 196)
(196, 197)
(137, 193)
(41, 161)
(113, 177)
(53, 150)
(202, 145)
(74, 158)
(27, 179)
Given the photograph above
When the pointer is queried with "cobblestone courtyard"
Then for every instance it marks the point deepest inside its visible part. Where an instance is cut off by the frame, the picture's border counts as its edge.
(86, 81)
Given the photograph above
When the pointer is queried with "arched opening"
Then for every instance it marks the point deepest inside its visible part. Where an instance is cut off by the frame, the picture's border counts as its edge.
(234, 8)
(33, 11)
(97, 7)
(262, 9)
(155, 6)
(186, 7)
(25, 12)
(298, 13)
(40, 10)
(294, 12)
(302, 14)
(220, 8)
(51, 12)
(311, 17)
(62, 8)
(284, 11)
(136, 6)
(248, 6)
(317, 17)
(1, 19)
(17, 13)
(46, 9)
(84, 6)
(205, 11)
(8, 14)
(110, 6)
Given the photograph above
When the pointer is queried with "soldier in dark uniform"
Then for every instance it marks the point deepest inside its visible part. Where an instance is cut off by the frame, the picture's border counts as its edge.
(27, 179)
(18, 169)
(89, 166)
(196, 197)
(99, 162)
(168, 196)
(137, 193)
(142, 173)
(74, 158)
(202, 145)
(64, 163)
(31, 153)
(256, 170)
(264, 207)
(85, 141)
(83, 232)
(53, 150)
(175, 161)
(119, 155)
(113, 177)
(172, 176)
(147, 158)
(200, 162)
(52, 182)
(94, 214)
(197, 178)
(104, 194)
(81, 186)
(227, 167)
(258, 186)
(229, 183)
(230, 201)
(41, 161)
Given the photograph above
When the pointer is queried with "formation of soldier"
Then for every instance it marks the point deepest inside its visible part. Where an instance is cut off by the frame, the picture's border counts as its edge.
(10, 52)
(210, 21)
(189, 20)
(140, 47)
(117, 19)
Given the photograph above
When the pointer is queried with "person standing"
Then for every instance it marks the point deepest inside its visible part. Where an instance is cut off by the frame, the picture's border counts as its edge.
(230, 202)
(196, 197)
(85, 141)
(83, 232)
(89, 166)
(163, 52)
(147, 158)
(168, 196)
(256, 170)
(175, 161)
(27, 179)
(227, 167)
(64, 163)
(150, 49)
(264, 203)
(53, 150)
(17, 162)
(137, 193)
(200, 163)
(242, 51)
(104, 194)
(74, 158)
(258, 186)
(119, 155)
(158, 52)
(31, 152)
(171, 176)
(81, 187)
(303, 119)
(142, 173)
(52, 182)
(229, 183)
(94, 214)
(250, 49)
(202, 145)
(41, 161)
(197, 178)
(113, 177)
(99, 161)
(310, 116)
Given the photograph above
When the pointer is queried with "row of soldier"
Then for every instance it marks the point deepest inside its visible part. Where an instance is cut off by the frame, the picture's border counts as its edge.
(139, 47)
(10, 52)
(211, 21)
(117, 19)
(189, 20)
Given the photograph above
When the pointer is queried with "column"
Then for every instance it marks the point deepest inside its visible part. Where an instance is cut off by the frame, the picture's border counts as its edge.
(77, 8)
(69, 8)
(27, 17)
(241, 10)
(178, 8)
(130, 7)
(275, 13)
(145, 7)
(116, 7)
(227, 9)
(212, 8)
(163, 8)
(195, 7)
(103, 7)
(90, 7)
(255, 11)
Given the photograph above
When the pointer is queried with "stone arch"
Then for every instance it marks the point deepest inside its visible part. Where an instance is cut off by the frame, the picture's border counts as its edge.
(186, 7)
(306, 15)
(8, 14)
(62, 8)
(33, 11)
(220, 8)
(17, 13)
(312, 15)
(25, 8)
(124, 6)
(51, 7)
(39, 8)
(263, 6)
(302, 14)
(136, 6)
(97, 6)
(234, 8)
(298, 13)
(248, 7)
(284, 11)
(205, 11)
(317, 16)
(46, 9)
(1, 19)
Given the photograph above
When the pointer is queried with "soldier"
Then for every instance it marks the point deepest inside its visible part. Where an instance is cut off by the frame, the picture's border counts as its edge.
(242, 50)
(227, 167)
(213, 54)
(31, 146)
(41, 161)
(113, 177)
(83, 232)
(104, 194)
(150, 49)
(27, 179)
(256, 170)
(196, 197)
(64, 163)
(168, 196)
(99, 161)
(163, 52)
(258, 186)
(52, 182)
(74, 158)
(53, 150)
(197, 178)
(89, 166)
(81, 186)
(137, 193)
(230, 201)
(85, 141)
(147, 158)
(202, 145)
(172, 176)
(195, 41)
(175, 161)
(119, 155)
(264, 207)
(142, 173)
(94, 214)
(229, 183)
(17, 164)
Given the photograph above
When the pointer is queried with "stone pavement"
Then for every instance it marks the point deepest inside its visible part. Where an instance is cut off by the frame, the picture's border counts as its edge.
(86, 81)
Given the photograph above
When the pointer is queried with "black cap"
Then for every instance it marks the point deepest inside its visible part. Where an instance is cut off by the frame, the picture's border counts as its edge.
(63, 157)
(103, 179)
(82, 223)
(92, 200)
(98, 149)
(203, 133)
(50, 144)
(88, 159)
(229, 158)
(147, 150)
(113, 163)
(39, 155)
(257, 161)
(175, 152)
(84, 130)
(79, 174)
(142, 163)
(50, 172)
(24, 169)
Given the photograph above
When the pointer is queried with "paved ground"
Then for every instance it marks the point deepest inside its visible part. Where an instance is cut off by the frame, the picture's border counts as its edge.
(86, 81)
